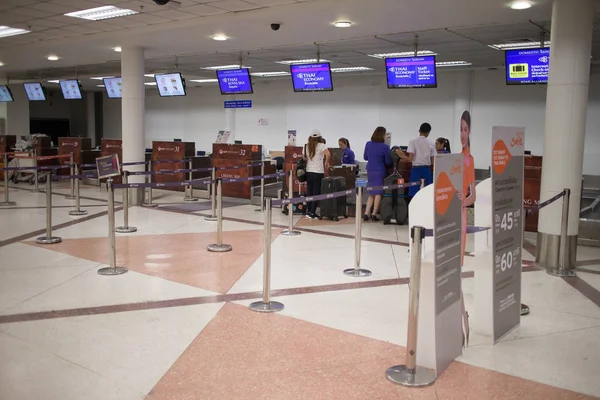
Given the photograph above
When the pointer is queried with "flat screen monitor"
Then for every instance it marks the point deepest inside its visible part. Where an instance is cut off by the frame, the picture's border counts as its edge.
(5, 94)
(235, 81)
(113, 87)
(411, 72)
(71, 89)
(170, 85)
(312, 77)
(527, 66)
(35, 91)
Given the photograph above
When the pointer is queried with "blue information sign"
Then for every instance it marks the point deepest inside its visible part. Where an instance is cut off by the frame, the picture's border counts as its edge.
(527, 67)
(238, 104)
(411, 72)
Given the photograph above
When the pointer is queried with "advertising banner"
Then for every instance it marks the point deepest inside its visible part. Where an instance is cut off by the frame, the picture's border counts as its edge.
(448, 181)
(292, 138)
(108, 166)
(507, 229)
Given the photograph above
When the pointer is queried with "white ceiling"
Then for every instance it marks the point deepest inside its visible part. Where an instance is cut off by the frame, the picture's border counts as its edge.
(456, 29)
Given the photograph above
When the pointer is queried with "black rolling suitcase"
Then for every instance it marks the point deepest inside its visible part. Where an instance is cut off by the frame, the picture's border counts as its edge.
(333, 209)
(393, 204)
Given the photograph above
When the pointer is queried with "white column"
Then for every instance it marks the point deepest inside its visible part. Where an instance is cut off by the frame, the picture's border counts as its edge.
(133, 107)
(91, 117)
(462, 102)
(566, 109)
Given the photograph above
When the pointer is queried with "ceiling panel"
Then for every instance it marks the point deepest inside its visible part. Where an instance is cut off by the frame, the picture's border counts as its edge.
(236, 5)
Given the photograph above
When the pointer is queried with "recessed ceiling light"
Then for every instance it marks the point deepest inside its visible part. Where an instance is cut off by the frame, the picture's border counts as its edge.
(100, 86)
(118, 49)
(53, 81)
(404, 54)
(149, 75)
(524, 45)
(1, 64)
(342, 24)
(266, 74)
(231, 66)
(150, 83)
(521, 5)
(98, 13)
(220, 38)
(99, 78)
(351, 69)
(204, 80)
(453, 64)
(52, 57)
(306, 61)
(6, 31)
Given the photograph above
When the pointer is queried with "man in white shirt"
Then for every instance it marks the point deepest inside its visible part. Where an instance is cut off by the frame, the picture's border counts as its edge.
(421, 153)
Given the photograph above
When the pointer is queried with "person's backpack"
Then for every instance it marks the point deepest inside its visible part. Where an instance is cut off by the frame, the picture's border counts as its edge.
(301, 170)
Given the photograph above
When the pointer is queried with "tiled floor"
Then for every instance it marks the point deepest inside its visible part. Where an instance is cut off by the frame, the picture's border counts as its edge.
(177, 326)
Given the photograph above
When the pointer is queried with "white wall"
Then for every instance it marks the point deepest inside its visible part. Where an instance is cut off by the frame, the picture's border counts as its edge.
(354, 109)
(57, 107)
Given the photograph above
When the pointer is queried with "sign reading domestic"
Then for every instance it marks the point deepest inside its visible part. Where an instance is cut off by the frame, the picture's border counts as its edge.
(448, 230)
(411, 72)
(311, 77)
(108, 166)
(507, 229)
(235, 81)
(527, 67)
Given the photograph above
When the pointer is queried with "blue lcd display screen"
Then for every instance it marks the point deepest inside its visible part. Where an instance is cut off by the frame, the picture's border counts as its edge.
(5, 94)
(235, 81)
(312, 77)
(527, 66)
(411, 72)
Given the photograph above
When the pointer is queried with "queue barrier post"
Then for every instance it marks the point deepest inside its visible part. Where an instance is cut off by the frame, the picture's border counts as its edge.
(357, 272)
(148, 179)
(77, 211)
(189, 190)
(267, 305)
(290, 230)
(262, 188)
(71, 196)
(422, 183)
(48, 239)
(125, 193)
(36, 188)
(213, 201)
(113, 269)
(410, 374)
(564, 268)
(219, 247)
(6, 202)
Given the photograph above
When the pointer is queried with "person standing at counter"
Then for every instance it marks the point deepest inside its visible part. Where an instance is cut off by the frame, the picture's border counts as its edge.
(421, 154)
(317, 157)
(442, 146)
(348, 156)
(377, 155)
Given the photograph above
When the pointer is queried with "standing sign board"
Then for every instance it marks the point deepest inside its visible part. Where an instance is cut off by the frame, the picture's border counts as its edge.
(507, 229)
(292, 138)
(108, 166)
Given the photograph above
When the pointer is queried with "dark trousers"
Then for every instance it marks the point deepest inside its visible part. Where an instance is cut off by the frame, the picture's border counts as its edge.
(313, 188)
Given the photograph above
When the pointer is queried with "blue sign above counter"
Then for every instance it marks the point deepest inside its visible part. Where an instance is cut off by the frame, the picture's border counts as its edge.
(238, 104)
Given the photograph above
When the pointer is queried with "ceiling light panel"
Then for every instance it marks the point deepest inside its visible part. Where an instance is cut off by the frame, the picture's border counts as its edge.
(404, 54)
(6, 31)
(305, 61)
(99, 13)
(267, 74)
(232, 66)
(351, 69)
(523, 45)
(453, 64)
(204, 80)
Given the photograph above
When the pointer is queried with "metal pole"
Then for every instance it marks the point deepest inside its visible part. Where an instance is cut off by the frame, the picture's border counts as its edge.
(564, 264)
(422, 183)
(148, 179)
(219, 247)
(213, 190)
(290, 230)
(6, 201)
(190, 189)
(72, 172)
(266, 305)
(77, 210)
(36, 188)
(410, 374)
(262, 188)
(357, 271)
(113, 269)
(125, 228)
(48, 239)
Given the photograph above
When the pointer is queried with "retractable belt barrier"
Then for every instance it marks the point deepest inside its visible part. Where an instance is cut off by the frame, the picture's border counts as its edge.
(203, 180)
(546, 203)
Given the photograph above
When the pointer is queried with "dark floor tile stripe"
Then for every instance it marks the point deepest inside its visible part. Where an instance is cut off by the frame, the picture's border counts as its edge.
(584, 288)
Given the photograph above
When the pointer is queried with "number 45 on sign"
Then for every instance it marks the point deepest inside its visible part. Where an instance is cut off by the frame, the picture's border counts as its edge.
(507, 221)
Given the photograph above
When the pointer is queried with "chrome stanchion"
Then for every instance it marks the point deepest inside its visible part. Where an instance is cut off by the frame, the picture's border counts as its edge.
(77, 210)
(219, 247)
(290, 230)
(148, 179)
(71, 196)
(48, 239)
(422, 183)
(262, 187)
(524, 309)
(189, 190)
(213, 193)
(113, 269)
(564, 268)
(125, 228)
(410, 374)
(36, 188)
(357, 271)
(266, 305)
(6, 202)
